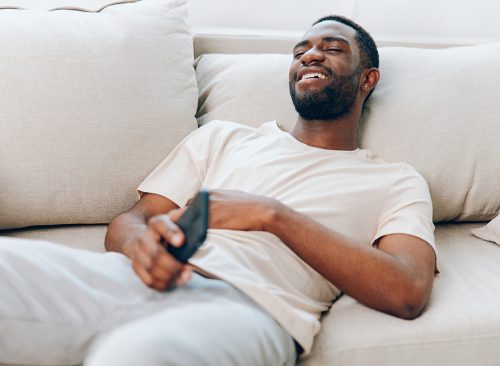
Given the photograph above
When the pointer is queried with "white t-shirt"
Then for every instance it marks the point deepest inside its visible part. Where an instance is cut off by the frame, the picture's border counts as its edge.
(352, 192)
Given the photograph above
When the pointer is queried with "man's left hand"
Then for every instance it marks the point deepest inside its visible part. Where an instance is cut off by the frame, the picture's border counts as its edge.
(237, 210)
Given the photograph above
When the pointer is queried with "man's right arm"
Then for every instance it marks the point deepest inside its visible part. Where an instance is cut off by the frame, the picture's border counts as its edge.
(134, 222)
(139, 232)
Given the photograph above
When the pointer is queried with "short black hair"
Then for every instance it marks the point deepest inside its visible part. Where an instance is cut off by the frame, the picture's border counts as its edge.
(369, 53)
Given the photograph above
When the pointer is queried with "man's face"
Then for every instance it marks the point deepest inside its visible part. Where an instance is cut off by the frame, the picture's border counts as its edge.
(325, 72)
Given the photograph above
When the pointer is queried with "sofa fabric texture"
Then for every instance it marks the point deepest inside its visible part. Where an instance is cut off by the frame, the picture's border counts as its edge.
(90, 103)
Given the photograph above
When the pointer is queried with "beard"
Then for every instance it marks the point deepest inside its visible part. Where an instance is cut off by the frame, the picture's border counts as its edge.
(333, 101)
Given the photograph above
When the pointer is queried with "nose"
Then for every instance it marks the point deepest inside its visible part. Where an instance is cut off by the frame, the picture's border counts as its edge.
(313, 54)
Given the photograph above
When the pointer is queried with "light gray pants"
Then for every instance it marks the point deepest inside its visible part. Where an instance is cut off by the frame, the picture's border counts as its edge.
(60, 305)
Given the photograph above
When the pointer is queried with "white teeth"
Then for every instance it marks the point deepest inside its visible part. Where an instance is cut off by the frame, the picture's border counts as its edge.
(313, 75)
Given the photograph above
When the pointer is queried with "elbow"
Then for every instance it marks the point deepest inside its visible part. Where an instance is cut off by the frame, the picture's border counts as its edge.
(412, 303)
(409, 311)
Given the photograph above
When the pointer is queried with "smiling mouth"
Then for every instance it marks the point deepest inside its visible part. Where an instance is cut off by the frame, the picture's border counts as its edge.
(313, 75)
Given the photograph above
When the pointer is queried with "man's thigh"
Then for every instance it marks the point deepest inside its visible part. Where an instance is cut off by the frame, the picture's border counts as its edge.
(208, 323)
(55, 299)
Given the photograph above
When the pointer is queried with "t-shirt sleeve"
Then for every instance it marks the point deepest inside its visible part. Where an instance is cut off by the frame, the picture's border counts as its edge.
(407, 208)
(181, 174)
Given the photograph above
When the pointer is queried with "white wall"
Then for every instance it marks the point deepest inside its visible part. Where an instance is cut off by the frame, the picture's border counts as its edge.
(473, 20)
(286, 15)
(463, 21)
(445, 21)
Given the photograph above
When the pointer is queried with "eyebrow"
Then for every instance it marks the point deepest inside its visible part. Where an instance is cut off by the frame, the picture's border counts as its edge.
(325, 39)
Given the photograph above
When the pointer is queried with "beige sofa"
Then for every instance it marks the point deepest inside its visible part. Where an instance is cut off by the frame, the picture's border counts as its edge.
(86, 115)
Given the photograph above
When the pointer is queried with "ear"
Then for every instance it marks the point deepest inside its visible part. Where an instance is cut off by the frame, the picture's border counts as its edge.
(369, 79)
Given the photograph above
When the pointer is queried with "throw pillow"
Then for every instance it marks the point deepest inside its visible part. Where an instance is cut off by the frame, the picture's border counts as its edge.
(490, 232)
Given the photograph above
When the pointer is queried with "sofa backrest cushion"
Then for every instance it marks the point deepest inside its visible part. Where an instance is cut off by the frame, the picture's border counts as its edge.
(438, 110)
(245, 88)
(90, 103)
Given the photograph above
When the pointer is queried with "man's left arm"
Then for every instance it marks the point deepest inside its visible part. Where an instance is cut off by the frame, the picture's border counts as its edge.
(395, 277)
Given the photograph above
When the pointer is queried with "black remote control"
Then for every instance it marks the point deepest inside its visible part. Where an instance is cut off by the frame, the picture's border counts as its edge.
(194, 225)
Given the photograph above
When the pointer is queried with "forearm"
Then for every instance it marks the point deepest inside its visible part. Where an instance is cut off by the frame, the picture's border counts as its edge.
(373, 277)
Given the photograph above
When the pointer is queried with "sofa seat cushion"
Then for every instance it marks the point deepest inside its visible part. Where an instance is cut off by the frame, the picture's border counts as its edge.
(89, 237)
(461, 321)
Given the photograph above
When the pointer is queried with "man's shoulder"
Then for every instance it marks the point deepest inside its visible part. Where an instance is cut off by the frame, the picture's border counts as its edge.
(408, 171)
(397, 168)
(407, 179)
(395, 174)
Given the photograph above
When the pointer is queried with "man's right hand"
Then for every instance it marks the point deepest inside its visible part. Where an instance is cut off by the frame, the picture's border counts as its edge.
(153, 264)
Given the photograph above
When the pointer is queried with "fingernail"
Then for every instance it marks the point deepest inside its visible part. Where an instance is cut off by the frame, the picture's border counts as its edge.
(177, 239)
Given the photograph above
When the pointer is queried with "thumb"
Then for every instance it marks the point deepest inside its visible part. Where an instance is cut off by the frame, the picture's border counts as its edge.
(177, 213)
(185, 276)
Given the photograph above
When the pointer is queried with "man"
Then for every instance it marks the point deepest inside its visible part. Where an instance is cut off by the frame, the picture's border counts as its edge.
(295, 219)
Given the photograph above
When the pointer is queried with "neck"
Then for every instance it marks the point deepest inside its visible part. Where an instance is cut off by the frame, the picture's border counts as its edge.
(334, 134)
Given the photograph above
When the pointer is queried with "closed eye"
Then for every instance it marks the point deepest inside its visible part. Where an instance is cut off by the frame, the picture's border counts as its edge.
(333, 50)
(298, 54)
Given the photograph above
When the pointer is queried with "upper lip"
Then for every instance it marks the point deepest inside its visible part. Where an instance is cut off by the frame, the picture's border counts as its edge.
(312, 70)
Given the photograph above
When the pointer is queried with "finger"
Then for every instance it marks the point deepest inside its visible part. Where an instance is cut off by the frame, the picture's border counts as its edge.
(184, 277)
(219, 194)
(159, 285)
(177, 213)
(167, 229)
(166, 268)
(143, 257)
(162, 273)
(168, 262)
(142, 273)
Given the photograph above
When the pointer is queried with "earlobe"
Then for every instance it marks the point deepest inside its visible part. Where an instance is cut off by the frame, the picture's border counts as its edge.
(372, 78)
